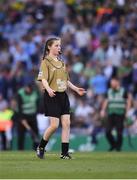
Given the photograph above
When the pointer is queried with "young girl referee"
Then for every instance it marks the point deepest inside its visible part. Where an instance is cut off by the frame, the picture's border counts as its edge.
(55, 81)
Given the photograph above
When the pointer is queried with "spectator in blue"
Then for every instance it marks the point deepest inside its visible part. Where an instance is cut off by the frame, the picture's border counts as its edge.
(98, 83)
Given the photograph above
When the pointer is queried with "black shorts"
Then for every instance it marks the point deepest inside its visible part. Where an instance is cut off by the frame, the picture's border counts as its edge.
(57, 105)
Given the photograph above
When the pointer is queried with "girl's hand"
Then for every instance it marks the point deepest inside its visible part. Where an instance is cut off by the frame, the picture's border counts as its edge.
(51, 92)
(81, 91)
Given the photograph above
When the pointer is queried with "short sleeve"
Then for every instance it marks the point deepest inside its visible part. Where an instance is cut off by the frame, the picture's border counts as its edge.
(68, 77)
(43, 72)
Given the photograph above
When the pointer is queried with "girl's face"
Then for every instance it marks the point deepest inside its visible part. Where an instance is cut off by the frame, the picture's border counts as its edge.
(55, 48)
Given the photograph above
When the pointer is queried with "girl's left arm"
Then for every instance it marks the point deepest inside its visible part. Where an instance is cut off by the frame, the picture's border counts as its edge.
(80, 91)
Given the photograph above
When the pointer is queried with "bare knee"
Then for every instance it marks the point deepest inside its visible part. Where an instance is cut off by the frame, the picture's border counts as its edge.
(54, 123)
(54, 126)
(66, 124)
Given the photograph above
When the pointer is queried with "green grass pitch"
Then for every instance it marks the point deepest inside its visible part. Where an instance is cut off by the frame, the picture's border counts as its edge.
(96, 165)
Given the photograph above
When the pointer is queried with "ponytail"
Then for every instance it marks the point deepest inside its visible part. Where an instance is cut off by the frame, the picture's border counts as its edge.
(45, 52)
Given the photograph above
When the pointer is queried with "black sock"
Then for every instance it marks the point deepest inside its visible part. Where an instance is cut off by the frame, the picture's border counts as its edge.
(43, 143)
(65, 148)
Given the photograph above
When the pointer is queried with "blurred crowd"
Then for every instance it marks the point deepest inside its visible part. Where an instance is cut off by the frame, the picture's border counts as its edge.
(99, 41)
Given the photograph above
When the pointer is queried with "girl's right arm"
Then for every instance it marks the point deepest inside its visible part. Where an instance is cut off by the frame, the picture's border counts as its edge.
(50, 91)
